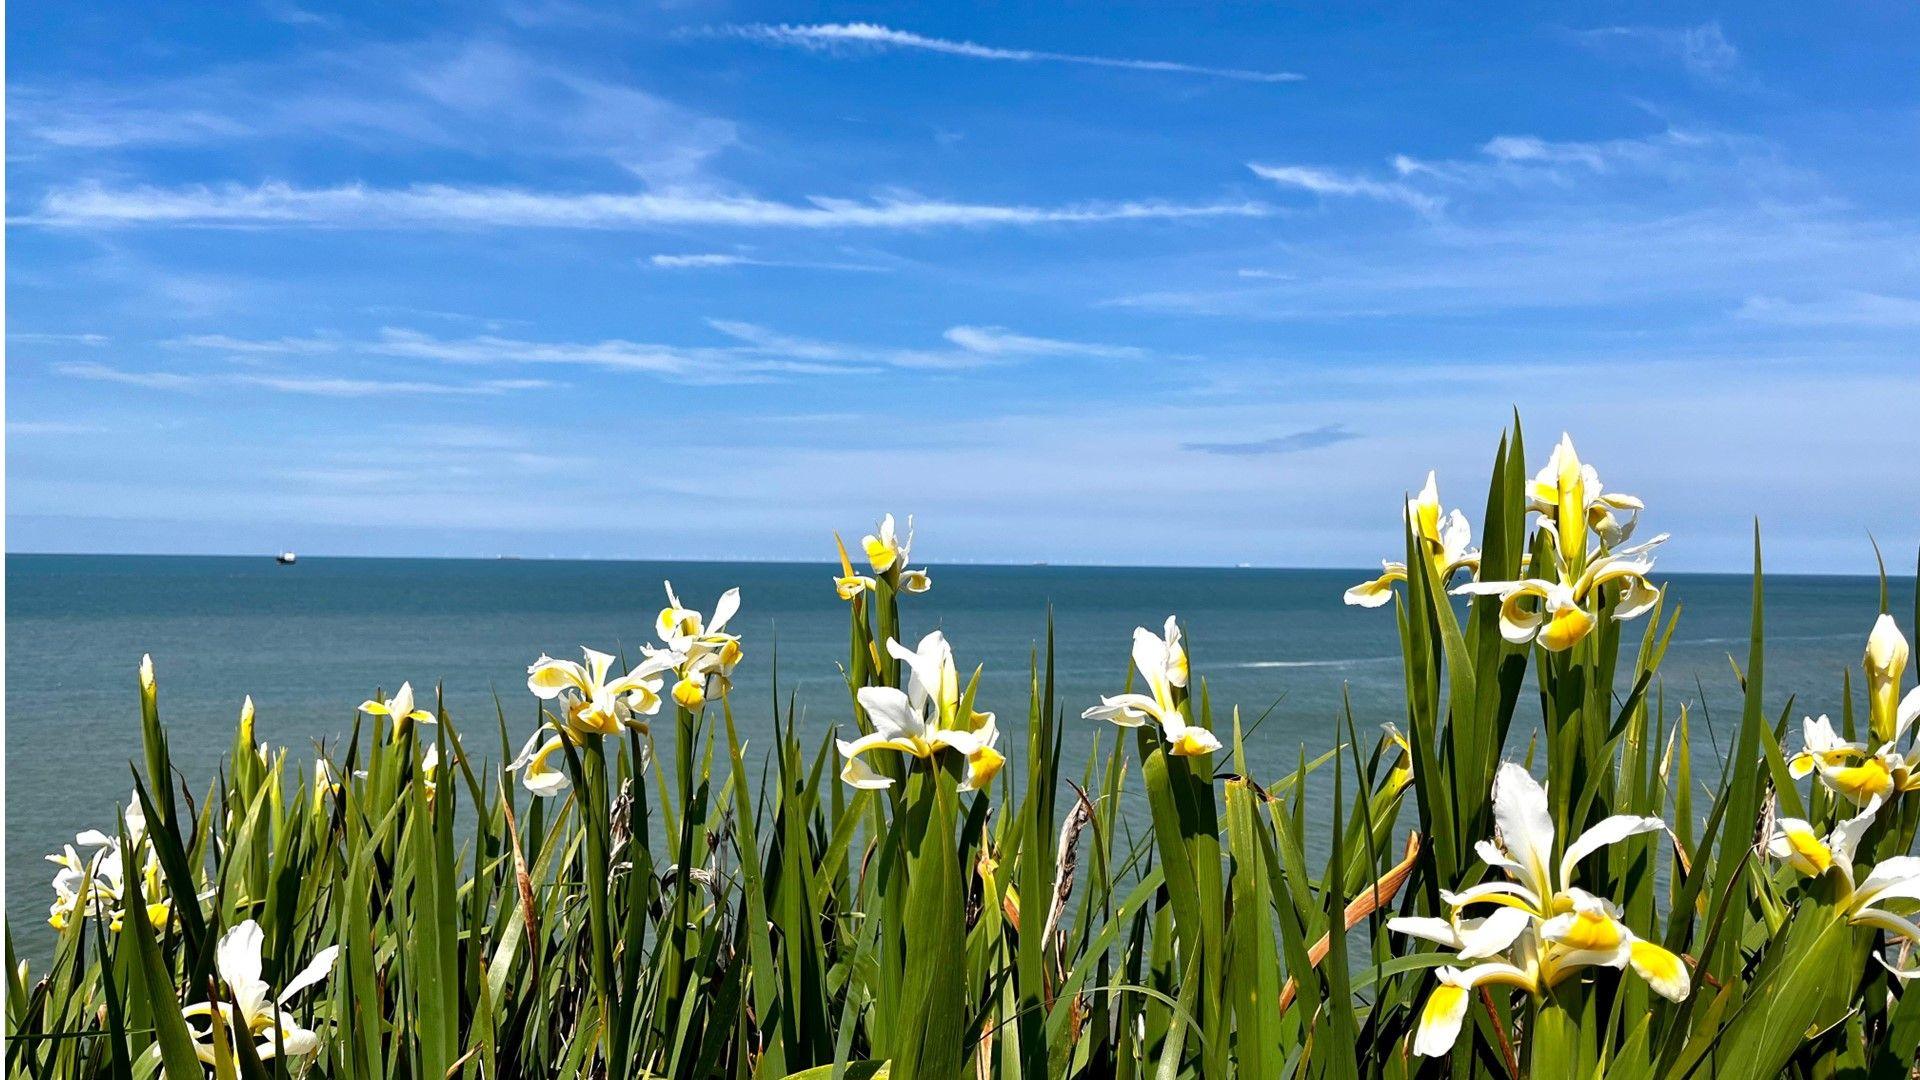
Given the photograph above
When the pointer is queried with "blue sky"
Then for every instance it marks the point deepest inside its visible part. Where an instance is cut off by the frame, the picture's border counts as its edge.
(1108, 283)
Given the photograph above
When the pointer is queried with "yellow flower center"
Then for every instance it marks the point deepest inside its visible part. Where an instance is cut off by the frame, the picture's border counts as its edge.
(690, 693)
(1808, 846)
(1593, 930)
(1863, 781)
(1565, 629)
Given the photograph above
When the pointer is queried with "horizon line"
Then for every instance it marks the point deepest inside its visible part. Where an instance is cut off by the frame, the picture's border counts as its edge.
(829, 564)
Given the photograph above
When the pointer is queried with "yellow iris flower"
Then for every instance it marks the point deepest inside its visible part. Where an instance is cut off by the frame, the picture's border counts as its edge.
(252, 1008)
(595, 702)
(1161, 660)
(700, 651)
(1446, 538)
(1795, 843)
(1559, 615)
(400, 708)
(1542, 928)
(1868, 777)
(94, 885)
(924, 720)
(1569, 494)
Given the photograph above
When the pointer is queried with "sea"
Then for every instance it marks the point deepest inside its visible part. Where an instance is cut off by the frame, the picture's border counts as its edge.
(310, 641)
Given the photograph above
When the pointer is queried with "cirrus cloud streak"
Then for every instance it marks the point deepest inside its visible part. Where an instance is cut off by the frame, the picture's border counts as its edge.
(451, 206)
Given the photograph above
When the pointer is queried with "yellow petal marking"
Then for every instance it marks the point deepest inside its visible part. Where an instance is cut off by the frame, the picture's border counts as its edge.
(1565, 629)
(1593, 930)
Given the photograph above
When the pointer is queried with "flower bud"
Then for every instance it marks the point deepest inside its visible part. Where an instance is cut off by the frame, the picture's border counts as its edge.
(1886, 661)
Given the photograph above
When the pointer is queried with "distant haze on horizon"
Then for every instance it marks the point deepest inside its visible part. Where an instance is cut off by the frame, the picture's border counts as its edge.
(545, 278)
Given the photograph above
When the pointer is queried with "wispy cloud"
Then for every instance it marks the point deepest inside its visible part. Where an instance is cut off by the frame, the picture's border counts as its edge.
(93, 340)
(335, 387)
(1703, 51)
(842, 36)
(64, 123)
(1327, 182)
(750, 353)
(309, 385)
(1691, 219)
(998, 341)
(292, 14)
(53, 428)
(1518, 161)
(477, 96)
(1858, 309)
(721, 260)
(1310, 439)
(151, 380)
(613, 354)
(973, 347)
(282, 346)
(442, 205)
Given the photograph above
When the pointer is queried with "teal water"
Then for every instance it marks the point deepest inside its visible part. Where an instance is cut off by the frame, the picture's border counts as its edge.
(311, 641)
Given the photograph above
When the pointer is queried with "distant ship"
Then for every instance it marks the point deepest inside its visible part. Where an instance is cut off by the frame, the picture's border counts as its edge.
(285, 558)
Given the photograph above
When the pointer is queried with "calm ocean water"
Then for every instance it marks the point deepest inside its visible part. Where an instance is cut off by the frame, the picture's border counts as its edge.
(310, 642)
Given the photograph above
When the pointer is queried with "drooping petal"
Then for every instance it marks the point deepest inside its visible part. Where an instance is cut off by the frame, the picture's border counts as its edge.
(1866, 783)
(1426, 928)
(1440, 1020)
(1904, 974)
(1610, 830)
(1518, 622)
(317, 969)
(1892, 878)
(1507, 893)
(1491, 936)
(1638, 598)
(857, 773)
(1662, 970)
(1191, 741)
(548, 678)
(1491, 854)
(1126, 710)
(1376, 593)
(852, 585)
(294, 1039)
(543, 775)
(964, 742)
(1447, 1005)
(982, 765)
(1909, 712)
(1794, 842)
